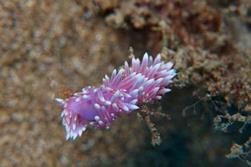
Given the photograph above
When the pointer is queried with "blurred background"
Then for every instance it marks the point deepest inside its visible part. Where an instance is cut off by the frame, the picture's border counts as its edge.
(51, 48)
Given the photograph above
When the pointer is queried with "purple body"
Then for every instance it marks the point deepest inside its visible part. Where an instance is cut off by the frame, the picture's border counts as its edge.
(124, 92)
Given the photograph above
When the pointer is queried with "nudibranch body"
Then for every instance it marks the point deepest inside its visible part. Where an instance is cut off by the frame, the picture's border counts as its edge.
(127, 89)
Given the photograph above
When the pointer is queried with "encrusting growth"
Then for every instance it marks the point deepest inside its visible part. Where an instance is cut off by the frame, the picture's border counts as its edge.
(126, 90)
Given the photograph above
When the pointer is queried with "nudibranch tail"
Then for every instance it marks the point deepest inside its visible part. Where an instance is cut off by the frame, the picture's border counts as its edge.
(122, 93)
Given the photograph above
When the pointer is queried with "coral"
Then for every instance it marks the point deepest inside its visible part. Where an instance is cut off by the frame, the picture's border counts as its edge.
(230, 121)
(121, 94)
(145, 114)
(192, 23)
(242, 152)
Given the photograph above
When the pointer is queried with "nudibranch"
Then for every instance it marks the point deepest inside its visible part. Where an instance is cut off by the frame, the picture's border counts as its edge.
(125, 91)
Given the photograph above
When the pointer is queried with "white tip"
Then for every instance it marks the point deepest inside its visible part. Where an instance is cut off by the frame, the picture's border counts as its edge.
(125, 108)
(100, 96)
(85, 97)
(100, 122)
(74, 126)
(158, 97)
(157, 59)
(121, 71)
(133, 107)
(108, 103)
(157, 66)
(115, 106)
(117, 93)
(158, 81)
(97, 106)
(74, 136)
(67, 137)
(63, 114)
(169, 65)
(150, 60)
(134, 92)
(84, 128)
(149, 82)
(106, 77)
(126, 64)
(165, 90)
(60, 101)
(156, 89)
(172, 72)
(97, 118)
(134, 101)
(145, 57)
(141, 88)
(80, 133)
(84, 91)
(114, 72)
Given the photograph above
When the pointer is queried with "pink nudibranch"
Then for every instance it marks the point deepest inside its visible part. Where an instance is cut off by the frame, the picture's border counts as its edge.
(127, 89)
